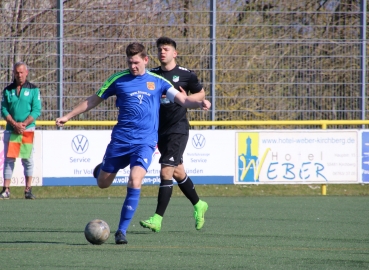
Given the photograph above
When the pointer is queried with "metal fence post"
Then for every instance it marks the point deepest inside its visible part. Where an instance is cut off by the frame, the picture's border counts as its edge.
(60, 15)
(213, 23)
(363, 59)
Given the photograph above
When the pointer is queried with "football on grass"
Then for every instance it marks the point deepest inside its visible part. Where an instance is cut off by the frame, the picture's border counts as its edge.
(97, 231)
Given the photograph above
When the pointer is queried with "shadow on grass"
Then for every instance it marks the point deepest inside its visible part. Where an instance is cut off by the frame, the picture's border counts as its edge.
(30, 242)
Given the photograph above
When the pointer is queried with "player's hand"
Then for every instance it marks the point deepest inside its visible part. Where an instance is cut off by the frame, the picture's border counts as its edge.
(19, 128)
(61, 121)
(205, 105)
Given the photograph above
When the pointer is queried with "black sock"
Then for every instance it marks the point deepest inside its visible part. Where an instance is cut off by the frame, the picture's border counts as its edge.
(188, 189)
(165, 192)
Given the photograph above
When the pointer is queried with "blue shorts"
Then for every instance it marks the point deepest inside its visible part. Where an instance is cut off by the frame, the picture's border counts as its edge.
(119, 155)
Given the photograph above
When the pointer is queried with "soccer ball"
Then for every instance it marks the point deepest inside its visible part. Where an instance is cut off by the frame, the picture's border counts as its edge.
(97, 231)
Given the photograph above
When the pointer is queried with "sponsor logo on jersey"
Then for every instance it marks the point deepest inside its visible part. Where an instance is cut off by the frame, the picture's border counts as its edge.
(150, 85)
(175, 78)
(140, 97)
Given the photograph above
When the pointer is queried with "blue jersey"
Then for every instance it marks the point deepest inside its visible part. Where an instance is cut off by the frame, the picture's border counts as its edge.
(138, 100)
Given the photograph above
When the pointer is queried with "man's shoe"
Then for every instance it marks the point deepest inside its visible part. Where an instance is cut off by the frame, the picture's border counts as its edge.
(28, 195)
(153, 223)
(4, 195)
(97, 170)
(120, 238)
(200, 208)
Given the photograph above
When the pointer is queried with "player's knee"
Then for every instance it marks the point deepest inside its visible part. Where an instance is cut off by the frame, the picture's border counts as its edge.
(166, 173)
(179, 175)
(101, 183)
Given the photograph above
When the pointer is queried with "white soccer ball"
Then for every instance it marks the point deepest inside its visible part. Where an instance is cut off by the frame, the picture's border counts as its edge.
(97, 231)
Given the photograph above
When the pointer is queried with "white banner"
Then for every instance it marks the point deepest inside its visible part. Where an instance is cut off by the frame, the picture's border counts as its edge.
(73, 153)
(72, 156)
(210, 153)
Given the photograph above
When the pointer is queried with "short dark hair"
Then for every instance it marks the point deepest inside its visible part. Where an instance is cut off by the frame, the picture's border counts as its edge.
(166, 41)
(136, 48)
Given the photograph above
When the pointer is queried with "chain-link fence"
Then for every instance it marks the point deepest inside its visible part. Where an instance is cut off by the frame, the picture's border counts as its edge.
(274, 60)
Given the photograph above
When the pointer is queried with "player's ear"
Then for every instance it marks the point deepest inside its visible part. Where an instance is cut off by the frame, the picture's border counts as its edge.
(175, 54)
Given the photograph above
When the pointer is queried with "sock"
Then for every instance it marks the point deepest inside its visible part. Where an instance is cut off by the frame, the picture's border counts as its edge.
(165, 192)
(188, 189)
(129, 208)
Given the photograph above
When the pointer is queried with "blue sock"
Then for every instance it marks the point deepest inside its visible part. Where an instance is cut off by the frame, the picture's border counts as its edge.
(129, 208)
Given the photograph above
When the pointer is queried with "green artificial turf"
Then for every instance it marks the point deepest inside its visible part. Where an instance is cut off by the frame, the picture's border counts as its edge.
(256, 232)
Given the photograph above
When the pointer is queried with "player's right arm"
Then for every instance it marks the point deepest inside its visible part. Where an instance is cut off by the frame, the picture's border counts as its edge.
(86, 105)
(187, 101)
(197, 96)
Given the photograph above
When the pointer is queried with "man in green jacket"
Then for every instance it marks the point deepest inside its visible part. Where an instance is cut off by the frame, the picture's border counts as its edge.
(20, 106)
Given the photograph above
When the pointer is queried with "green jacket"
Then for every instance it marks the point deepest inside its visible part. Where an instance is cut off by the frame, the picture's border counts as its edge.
(20, 107)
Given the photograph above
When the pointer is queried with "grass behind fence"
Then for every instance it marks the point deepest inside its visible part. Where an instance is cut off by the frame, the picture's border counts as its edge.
(257, 232)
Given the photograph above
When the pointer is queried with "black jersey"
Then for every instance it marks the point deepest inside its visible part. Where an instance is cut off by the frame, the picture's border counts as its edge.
(172, 116)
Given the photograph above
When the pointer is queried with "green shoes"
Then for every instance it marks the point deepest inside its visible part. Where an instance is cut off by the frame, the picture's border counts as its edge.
(199, 213)
(153, 223)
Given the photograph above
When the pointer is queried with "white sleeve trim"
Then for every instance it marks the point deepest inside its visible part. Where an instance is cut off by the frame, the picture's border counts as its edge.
(171, 93)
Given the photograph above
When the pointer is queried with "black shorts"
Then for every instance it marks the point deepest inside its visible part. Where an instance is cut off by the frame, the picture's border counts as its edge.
(171, 148)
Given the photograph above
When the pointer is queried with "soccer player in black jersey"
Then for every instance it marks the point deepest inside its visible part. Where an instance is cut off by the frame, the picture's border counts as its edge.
(173, 136)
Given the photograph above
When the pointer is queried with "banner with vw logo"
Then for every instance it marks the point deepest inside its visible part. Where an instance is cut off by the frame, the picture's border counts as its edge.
(208, 157)
(72, 156)
(75, 153)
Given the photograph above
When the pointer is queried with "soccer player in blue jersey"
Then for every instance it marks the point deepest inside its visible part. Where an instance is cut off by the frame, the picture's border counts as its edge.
(134, 137)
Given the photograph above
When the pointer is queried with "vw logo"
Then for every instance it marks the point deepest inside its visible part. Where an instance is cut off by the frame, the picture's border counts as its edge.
(80, 144)
(198, 141)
